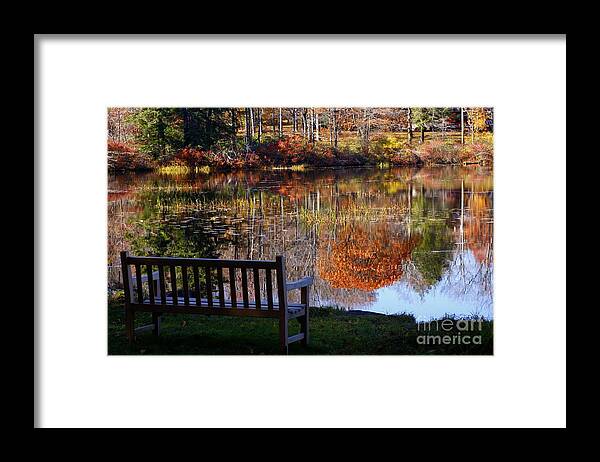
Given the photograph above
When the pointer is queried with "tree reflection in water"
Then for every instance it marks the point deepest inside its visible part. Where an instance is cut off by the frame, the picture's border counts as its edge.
(359, 231)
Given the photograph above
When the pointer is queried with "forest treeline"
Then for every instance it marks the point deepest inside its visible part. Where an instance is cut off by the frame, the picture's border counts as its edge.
(229, 138)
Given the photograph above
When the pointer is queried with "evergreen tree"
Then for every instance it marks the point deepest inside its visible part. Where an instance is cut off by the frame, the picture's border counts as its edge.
(159, 133)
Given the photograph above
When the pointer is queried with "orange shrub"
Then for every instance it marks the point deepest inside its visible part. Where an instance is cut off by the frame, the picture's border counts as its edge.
(192, 157)
(118, 146)
(289, 150)
(438, 152)
(121, 161)
(478, 152)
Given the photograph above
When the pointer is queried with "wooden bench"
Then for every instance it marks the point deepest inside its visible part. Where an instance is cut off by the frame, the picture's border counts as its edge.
(199, 286)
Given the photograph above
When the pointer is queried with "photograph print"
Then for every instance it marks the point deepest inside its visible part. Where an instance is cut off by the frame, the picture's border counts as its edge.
(300, 230)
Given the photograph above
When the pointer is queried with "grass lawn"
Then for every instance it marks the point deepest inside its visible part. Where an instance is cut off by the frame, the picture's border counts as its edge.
(333, 332)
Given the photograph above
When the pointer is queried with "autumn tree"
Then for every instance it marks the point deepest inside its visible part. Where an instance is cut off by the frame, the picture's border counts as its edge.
(120, 124)
(364, 128)
(421, 118)
(477, 119)
(333, 127)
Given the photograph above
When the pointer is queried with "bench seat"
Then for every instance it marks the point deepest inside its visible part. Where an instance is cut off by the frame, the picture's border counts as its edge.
(294, 309)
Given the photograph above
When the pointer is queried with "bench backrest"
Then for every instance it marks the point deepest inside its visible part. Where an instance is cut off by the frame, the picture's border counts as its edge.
(193, 280)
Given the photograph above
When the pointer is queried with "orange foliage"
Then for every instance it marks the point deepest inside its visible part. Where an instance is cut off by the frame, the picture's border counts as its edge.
(126, 160)
(478, 228)
(366, 260)
(193, 157)
(118, 146)
(288, 150)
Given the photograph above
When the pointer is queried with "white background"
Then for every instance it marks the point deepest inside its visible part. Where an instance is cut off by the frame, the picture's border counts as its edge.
(523, 384)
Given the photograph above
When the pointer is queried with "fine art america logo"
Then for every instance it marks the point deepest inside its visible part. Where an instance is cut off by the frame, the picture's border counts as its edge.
(450, 332)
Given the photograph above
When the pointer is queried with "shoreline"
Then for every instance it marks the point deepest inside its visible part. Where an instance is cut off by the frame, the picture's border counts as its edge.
(206, 169)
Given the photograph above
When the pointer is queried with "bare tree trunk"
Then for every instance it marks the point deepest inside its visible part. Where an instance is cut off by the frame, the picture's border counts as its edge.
(304, 124)
(316, 126)
(233, 129)
(330, 126)
(251, 123)
(247, 127)
(294, 121)
(409, 122)
(335, 129)
(260, 111)
(280, 124)
(369, 117)
(366, 128)
(462, 125)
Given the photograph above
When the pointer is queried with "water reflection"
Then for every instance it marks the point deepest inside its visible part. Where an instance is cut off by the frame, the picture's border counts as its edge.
(386, 240)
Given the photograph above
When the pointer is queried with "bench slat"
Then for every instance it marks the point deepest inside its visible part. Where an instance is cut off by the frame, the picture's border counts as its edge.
(138, 278)
(150, 283)
(245, 287)
(197, 284)
(295, 338)
(232, 294)
(209, 286)
(174, 284)
(269, 283)
(292, 307)
(186, 287)
(179, 309)
(220, 286)
(163, 286)
(256, 279)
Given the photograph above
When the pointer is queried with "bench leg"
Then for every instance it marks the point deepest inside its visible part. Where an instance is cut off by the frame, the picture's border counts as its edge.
(303, 320)
(283, 335)
(130, 324)
(304, 298)
(156, 324)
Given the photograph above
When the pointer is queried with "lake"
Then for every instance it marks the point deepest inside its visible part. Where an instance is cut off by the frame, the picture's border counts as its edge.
(386, 240)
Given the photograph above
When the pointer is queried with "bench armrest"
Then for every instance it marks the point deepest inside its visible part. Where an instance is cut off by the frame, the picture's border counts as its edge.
(304, 282)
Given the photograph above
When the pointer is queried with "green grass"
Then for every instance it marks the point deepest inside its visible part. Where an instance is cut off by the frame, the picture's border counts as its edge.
(333, 332)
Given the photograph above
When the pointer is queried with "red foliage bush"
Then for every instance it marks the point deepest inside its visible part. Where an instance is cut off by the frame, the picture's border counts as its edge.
(293, 150)
(118, 146)
(438, 152)
(286, 151)
(121, 161)
(405, 157)
(192, 157)
(478, 152)
(124, 156)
